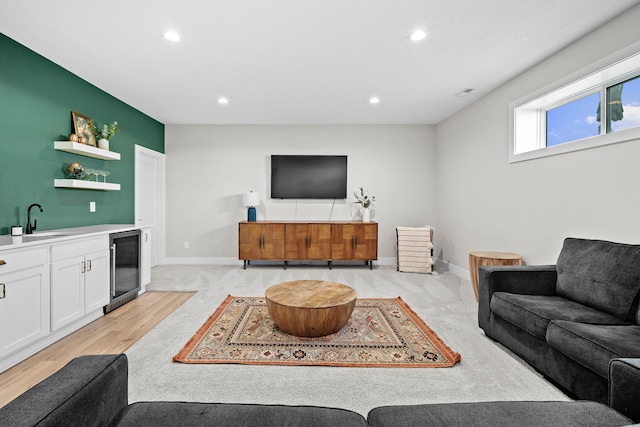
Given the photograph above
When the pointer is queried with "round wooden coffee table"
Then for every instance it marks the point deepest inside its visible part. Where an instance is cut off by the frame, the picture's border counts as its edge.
(310, 308)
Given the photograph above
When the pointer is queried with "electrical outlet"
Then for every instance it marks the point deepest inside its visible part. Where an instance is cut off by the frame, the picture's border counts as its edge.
(92, 206)
(186, 245)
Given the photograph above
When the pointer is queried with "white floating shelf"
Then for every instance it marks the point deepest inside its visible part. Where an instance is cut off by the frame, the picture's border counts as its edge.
(85, 185)
(85, 150)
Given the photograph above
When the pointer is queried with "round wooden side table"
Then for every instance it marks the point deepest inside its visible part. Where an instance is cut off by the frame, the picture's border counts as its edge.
(310, 308)
(479, 259)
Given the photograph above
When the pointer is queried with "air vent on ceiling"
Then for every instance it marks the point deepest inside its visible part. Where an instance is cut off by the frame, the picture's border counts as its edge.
(464, 92)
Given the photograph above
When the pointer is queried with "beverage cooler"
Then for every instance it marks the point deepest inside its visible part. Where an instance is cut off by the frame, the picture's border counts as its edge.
(125, 268)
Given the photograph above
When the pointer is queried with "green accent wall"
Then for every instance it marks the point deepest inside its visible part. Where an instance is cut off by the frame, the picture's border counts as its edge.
(36, 101)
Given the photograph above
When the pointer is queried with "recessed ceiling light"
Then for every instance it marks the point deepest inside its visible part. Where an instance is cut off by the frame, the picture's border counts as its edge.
(418, 35)
(374, 100)
(223, 101)
(172, 36)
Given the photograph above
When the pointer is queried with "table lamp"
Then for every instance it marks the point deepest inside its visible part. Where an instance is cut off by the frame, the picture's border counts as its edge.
(251, 200)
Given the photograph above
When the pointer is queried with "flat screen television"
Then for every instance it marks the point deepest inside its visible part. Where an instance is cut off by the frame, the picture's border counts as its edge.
(308, 177)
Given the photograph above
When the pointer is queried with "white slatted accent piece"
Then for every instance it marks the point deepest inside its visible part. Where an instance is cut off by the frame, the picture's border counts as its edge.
(414, 249)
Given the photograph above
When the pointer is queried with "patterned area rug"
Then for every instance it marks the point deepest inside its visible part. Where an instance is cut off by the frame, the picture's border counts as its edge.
(380, 333)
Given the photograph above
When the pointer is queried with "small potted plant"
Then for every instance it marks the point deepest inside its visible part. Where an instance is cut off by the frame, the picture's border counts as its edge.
(363, 198)
(105, 133)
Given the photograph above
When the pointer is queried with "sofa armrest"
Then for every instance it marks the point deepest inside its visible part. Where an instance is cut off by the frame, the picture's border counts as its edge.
(624, 386)
(88, 391)
(529, 280)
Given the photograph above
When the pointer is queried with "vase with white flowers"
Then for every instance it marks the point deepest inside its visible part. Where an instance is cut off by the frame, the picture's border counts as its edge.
(105, 133)
(363, 198)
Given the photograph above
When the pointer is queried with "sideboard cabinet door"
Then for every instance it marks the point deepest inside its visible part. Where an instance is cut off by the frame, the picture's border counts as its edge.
(261, 241)
(354, 241)
(308, 241)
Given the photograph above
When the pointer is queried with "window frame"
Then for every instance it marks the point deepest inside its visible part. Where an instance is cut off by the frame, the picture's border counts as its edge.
(527, 115)
(543, 143)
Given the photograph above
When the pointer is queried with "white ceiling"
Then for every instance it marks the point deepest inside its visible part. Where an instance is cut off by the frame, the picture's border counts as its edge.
(300, 61)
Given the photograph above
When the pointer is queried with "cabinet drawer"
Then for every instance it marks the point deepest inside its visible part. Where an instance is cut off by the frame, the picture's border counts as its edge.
(19, 259)
(73, 248)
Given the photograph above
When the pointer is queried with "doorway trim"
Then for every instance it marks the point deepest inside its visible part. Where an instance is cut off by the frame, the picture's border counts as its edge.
(162, 192)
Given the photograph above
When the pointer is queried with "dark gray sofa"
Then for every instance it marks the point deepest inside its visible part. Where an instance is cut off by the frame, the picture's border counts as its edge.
(92, 391)
(568, 320)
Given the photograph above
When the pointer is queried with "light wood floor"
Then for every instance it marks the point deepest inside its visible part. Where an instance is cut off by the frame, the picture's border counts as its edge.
(112, 333)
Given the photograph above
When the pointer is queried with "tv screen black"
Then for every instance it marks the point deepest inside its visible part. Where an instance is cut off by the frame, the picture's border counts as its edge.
(308, 177)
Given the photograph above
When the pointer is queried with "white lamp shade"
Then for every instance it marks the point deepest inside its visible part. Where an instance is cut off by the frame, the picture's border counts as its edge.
(251, 199)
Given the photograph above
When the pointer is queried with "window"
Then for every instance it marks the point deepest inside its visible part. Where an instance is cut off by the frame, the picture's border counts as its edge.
(569, 116)
(623, 105)
(572, 121)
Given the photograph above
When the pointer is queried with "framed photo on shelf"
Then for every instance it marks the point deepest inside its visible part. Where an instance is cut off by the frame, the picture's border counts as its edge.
(82, 126)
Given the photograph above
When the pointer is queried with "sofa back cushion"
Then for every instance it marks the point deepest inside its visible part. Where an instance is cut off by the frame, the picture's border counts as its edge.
(602, 275)
(88, 391)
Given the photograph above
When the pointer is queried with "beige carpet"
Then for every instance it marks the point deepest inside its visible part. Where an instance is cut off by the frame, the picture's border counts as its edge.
(445, 302)
(381, 333)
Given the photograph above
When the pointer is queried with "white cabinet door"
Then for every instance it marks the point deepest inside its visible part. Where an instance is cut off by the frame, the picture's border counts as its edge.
(67, 291)
(79, 279)
(24, 298)
(96, 286)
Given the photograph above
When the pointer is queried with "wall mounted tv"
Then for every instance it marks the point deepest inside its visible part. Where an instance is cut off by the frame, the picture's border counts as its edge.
(308, 177)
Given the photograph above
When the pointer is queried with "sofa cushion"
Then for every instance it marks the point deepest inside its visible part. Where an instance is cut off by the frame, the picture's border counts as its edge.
(532, 313)
(624, 387)
(88, 391)
(593, 346)
(234, 414)
(496, 414)
(603, 275)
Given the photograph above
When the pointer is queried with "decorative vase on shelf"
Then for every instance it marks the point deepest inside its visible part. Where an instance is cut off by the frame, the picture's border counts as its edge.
(366, 215)
(103, 144)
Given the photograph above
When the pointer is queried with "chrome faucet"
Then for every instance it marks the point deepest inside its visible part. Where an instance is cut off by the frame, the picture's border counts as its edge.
(30, 227)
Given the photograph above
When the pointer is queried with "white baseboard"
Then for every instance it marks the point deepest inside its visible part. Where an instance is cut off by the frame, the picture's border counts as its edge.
(452, 268)
(386, 261)
(236, 261)
(202, 261)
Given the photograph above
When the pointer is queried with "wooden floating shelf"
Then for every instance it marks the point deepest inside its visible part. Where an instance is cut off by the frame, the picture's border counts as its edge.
(85, 185)
(85, 150)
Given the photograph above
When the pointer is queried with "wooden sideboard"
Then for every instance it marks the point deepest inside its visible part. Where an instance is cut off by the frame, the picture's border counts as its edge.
(308, 241)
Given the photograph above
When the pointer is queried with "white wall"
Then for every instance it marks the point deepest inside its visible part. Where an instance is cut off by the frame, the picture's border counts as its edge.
(209, 167)
(485, 203)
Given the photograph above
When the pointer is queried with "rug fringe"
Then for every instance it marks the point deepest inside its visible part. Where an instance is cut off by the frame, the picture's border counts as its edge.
(452, 355)
(195, 339)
